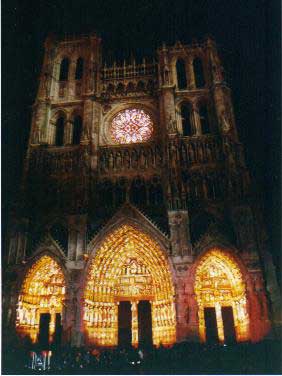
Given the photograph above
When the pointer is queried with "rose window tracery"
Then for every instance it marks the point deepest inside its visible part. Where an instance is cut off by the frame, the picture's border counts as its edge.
(131, 126)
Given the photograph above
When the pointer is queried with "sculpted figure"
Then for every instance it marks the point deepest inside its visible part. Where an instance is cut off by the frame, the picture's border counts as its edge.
(118, 160)
(225, 122)
(172, 128)
(111, 161)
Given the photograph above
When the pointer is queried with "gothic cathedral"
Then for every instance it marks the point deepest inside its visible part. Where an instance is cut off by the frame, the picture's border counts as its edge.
(137, 222)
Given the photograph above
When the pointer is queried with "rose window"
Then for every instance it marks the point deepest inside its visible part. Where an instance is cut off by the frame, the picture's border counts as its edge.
(131, 125)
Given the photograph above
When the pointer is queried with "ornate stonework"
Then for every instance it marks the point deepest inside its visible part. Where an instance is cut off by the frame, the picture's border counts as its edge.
(135, 188)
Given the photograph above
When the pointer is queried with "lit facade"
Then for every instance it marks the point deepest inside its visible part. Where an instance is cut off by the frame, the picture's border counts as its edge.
(136, 190)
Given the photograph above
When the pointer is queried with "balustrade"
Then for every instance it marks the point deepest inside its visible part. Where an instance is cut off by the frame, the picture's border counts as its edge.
(128, 71)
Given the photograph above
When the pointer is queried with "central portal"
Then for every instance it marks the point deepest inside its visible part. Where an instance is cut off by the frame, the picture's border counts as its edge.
(129, 292)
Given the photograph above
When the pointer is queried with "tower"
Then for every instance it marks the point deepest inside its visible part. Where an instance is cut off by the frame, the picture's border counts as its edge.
(136, 194)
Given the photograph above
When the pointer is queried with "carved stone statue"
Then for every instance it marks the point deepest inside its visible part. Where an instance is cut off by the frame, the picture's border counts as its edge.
(173, 155)
(166, 75)
(172, 127)
(225, 122)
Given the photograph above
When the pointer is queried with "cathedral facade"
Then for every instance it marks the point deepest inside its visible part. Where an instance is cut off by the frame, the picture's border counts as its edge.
(137, 222)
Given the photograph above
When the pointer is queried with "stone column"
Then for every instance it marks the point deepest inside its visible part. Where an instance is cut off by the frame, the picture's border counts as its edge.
(181, 310)
(40, 122)
(71, 80)
(167, 111)
(190, 75)
(77, 234)
(192, 317)
(219, 322)
(46, 77)
(68, 133)
(134, 323)
(52, 325)
(196, 122)
(179, 233)
(224, 110)
(73, 321)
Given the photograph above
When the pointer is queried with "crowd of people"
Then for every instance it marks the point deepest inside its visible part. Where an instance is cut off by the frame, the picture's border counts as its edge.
(182, 358)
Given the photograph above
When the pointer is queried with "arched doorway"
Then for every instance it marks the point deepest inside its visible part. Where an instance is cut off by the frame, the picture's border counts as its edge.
(40, 302)
(129, 267)
(221, 297)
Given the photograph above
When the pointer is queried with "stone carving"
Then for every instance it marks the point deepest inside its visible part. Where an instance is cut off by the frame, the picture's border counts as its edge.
(225, 122)
(178, 222)
(172, 126)
(127, 158)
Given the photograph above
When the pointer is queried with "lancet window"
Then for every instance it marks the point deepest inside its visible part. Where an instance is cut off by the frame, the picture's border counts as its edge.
(199, 73)
(77, 130)
(79, 69)
(60, 129)
(187, 129)
(204, 119)
(64, 69)
(181, 74)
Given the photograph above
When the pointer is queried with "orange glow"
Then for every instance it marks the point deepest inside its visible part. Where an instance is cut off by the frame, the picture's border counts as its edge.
(129, 265)
(219, 283)
(43, 291)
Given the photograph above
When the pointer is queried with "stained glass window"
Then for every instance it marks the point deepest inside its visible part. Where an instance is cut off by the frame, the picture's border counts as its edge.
(131, 126)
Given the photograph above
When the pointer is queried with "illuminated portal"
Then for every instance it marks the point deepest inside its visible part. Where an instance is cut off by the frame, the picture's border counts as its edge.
(42, 293)
(131, 125)
(219, 284)
(129, 266)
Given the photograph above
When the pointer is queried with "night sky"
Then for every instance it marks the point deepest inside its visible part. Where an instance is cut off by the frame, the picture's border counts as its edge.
(247, 33)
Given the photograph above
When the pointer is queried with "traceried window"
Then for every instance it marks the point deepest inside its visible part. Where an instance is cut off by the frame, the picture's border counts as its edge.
(131, 125)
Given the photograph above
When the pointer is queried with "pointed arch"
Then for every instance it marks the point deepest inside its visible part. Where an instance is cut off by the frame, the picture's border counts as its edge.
(60, 131)
(181, 74)
(198, 72)
(107, 282)
(64, 69)
(187, 129)
(219, 282)
(77, 130)
(42, 291)
(79, 68)
(204, 118)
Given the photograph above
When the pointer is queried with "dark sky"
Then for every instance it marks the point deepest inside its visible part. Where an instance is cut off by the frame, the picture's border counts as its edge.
(247, 33)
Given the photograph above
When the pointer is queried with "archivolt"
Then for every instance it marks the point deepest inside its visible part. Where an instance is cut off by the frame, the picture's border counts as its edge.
(121, 248)
(43, 291)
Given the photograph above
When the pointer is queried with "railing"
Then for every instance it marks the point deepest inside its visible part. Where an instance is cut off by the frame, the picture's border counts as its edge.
(128, 71)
